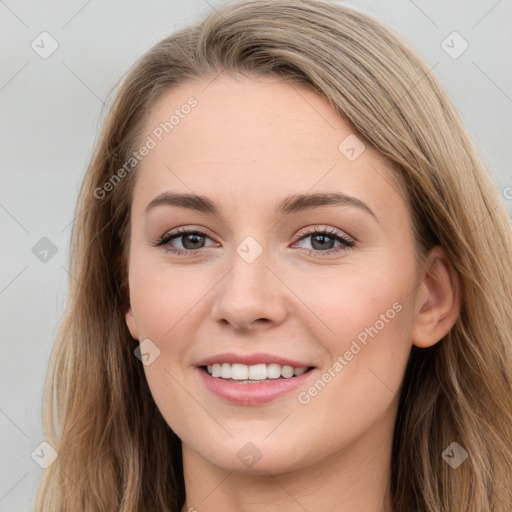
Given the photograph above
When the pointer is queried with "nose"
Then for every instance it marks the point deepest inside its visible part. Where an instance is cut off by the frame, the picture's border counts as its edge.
(250, 294)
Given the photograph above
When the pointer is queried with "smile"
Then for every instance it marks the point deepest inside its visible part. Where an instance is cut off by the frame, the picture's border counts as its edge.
(253, 373)
(258, 387)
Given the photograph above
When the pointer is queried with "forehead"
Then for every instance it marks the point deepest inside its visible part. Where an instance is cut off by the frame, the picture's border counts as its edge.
(240, 117)
(248, 135)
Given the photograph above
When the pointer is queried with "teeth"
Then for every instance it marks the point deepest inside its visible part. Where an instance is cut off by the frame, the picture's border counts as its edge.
(239, 372)
(255, 372)
(225, 370)
(287, 372)
(273, 371)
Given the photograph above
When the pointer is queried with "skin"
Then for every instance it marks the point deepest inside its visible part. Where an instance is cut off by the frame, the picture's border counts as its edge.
(247, 144)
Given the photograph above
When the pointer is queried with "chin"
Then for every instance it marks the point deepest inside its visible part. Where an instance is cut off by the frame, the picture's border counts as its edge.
(256, 457)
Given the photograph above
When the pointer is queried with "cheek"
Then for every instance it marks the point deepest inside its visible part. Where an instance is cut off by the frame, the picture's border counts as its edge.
(160, 298)
(369, 353)
(370, 316)
(372, 311)
(360, 298)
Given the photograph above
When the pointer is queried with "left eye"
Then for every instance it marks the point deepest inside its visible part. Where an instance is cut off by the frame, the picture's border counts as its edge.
(326, 237)
(191, 241)
(190, 237)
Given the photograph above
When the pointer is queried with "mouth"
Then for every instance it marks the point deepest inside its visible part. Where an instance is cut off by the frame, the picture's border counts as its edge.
(256, 384)
(253, 374)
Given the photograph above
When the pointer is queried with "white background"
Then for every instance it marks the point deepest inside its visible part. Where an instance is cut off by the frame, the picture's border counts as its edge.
(51, 111)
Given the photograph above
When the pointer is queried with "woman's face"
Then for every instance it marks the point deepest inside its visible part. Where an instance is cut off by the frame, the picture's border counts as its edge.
(264, 285)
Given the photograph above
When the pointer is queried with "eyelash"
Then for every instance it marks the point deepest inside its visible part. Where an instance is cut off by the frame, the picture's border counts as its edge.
(180, 232)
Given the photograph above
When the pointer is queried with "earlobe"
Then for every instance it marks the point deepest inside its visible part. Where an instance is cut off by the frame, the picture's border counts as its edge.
(438, 305)
(132, 324)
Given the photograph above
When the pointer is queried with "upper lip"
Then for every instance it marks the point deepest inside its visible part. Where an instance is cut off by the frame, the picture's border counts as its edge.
(251, 359)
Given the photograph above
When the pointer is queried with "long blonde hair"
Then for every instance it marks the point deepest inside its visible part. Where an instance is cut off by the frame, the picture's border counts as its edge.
(115, 450)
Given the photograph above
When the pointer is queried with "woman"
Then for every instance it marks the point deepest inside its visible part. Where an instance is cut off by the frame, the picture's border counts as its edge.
(209, 359)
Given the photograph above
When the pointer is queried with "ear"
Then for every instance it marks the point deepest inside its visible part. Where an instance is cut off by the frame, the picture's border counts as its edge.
(438, 300)
(132, 324)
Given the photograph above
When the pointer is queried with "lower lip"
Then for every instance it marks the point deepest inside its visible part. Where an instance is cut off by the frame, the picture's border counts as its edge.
(252, 394)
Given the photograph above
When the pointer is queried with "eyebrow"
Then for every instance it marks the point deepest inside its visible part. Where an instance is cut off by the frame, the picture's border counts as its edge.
(292, 204)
